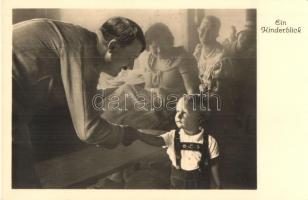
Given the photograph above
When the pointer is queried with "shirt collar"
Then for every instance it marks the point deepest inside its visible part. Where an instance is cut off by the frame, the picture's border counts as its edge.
(101, 43)
(197, 137)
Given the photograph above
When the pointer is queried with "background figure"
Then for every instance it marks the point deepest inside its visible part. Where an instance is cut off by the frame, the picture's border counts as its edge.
(209, 54)
(228, 42)
(244, 65)
(215, 69)
(169, 73)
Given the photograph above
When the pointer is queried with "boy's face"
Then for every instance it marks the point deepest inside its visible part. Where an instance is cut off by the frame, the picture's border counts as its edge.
(186, 117)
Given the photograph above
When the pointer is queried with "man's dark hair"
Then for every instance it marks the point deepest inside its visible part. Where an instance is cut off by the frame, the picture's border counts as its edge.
(156, 32)
(123, 30)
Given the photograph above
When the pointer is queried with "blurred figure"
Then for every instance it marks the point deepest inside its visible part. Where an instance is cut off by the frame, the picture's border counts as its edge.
(215, 71)
(244, 65)
(228, 42)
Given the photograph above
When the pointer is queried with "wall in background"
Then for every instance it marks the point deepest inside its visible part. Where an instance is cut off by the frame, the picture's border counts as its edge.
(20, 15)
(176, 19)
(228, 17)
(92, 19)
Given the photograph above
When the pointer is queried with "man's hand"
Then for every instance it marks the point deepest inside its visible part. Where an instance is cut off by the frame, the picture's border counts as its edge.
(130, 135)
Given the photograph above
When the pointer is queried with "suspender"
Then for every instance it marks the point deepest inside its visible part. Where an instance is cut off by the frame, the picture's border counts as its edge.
(205, 155)
(177, 148)
(191, 146)
(202, 148)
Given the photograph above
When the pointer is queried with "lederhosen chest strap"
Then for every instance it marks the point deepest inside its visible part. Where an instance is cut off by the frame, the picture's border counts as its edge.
(177, 148)
(191, 146)
(202, 148)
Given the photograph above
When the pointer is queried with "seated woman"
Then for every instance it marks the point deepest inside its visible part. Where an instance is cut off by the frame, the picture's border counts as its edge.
(169, 73)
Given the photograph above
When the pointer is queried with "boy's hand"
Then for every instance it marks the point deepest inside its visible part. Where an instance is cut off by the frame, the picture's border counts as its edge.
(130, 135)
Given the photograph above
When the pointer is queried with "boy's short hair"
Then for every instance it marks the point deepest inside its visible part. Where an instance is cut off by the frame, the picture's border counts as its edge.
(197, 102)
(123, 30)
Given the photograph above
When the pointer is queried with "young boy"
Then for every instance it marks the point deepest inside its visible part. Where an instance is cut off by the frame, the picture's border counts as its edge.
(193, 153)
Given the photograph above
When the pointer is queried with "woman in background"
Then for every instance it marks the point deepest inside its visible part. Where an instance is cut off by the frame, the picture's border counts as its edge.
(215, 70)
(216, 74)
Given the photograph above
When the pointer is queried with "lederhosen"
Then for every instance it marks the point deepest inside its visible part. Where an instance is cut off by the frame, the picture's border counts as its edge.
(195, 179)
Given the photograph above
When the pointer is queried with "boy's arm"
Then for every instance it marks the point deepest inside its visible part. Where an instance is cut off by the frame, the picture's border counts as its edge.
(151, 139)
(215, 173)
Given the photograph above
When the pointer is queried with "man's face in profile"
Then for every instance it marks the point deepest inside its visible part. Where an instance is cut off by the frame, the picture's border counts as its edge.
(123, 57)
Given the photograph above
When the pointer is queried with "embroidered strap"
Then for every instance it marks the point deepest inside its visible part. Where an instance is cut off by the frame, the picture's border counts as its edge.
(191, 146)
(202, 148)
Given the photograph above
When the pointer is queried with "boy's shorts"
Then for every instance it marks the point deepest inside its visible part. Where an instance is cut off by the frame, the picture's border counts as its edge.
(195, 179)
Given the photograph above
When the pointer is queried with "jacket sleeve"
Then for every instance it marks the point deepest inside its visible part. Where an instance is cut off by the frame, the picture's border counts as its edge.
(80, 75)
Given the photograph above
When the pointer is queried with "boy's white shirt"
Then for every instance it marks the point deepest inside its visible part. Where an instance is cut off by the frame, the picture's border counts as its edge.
(190, 159)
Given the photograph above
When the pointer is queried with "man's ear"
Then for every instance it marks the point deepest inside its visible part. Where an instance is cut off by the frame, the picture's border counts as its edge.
(112, 44)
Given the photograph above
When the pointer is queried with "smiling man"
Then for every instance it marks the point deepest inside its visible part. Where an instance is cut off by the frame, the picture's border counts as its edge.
(56, 63)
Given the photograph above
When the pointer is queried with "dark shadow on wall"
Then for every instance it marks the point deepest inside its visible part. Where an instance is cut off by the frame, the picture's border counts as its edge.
(20, 15)
(194, 17)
